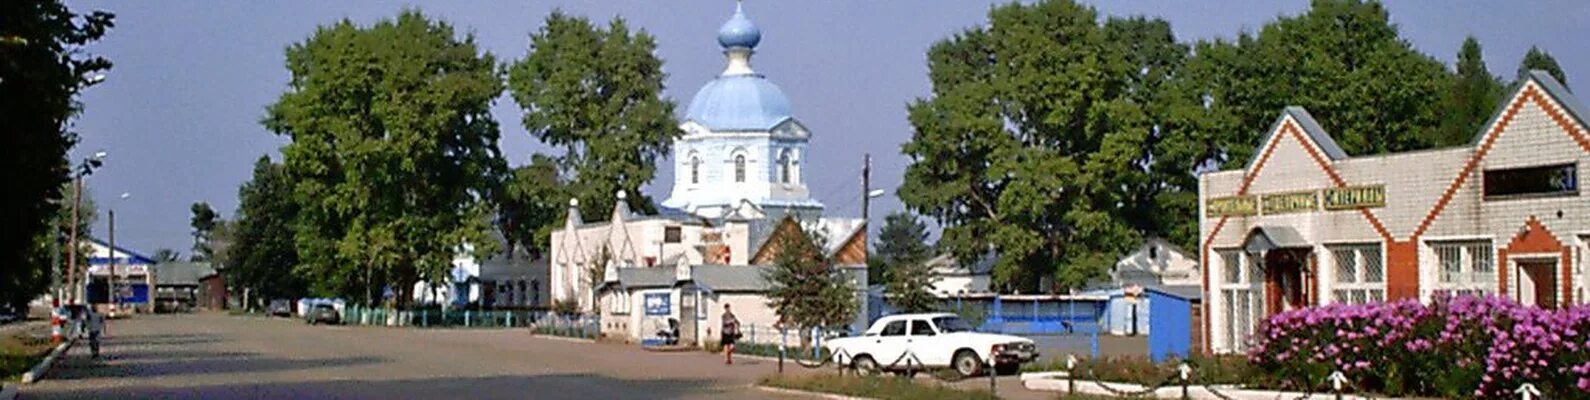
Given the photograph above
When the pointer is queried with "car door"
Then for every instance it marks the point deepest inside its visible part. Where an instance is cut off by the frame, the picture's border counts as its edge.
(925, 342)
(889, 344)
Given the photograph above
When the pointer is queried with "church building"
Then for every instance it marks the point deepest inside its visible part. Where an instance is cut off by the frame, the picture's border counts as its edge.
(1306, 224)
(739, 186)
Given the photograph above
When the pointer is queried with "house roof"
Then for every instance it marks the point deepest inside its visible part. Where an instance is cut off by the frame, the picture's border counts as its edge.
(1191, 292)
(1311, 128)
(182, 273)
(731, 278)
(133, 257)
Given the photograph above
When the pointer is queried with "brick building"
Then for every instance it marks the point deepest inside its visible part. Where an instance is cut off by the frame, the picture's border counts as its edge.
(1305, 224)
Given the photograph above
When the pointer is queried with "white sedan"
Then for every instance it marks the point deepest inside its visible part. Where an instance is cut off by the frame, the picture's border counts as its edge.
(926, 341)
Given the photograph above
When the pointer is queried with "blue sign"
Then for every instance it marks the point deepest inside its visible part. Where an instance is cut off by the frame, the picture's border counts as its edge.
(658, 304)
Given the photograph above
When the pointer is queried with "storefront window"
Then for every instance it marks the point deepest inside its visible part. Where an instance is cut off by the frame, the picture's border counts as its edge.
(1360, 274)
(1242, 295)
(1466, 267)
(1547, 180)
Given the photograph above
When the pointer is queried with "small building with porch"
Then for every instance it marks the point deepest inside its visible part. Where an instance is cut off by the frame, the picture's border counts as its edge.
(1306, 224)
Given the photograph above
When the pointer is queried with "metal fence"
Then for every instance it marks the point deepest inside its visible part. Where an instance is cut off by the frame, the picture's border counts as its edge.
(426, 318)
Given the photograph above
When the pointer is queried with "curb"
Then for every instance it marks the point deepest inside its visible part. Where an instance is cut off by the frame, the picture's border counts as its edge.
(820, 395)
(564, 339)
(36, 373)
(8, 391)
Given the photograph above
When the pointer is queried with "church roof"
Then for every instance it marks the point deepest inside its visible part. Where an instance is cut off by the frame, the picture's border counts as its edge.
(739, 103)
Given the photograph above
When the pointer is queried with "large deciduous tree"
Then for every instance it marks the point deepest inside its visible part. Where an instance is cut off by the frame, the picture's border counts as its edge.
(263, 255)
(393, 155)
(43, 67)
(596, 93)
(1033, 136)
(531, 204)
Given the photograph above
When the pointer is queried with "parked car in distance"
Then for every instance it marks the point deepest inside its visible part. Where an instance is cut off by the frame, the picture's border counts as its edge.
(928, 341)
(280, 308)
(324, 314)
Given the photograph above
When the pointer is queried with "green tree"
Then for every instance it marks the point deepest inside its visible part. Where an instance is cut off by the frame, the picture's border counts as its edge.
(393, 155)
(1472, 98)
(597, 94)
(532, 204)
(805, 288)
(167, 255)
(1343, 61)
(46, 257)
(203, 221)
(43, 67)
(902, 252)
(1537, 59)
(263, 254)
(1031, 132)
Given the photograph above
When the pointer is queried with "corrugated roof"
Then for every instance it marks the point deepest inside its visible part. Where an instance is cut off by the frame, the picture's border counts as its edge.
(182, 273)
(731, 278)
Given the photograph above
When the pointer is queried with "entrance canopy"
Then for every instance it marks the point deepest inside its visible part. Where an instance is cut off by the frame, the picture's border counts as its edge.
(1265, 238)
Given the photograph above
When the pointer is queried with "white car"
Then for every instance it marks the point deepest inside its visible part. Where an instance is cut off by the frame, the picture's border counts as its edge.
(938, 340)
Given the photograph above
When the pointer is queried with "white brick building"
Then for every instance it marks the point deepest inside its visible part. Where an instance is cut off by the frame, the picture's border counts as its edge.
(1305, 224)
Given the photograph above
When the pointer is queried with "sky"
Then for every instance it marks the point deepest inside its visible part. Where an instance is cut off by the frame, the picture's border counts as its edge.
(179, 113)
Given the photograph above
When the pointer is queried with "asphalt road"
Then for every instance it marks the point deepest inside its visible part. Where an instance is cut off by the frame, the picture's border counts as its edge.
(213, 356)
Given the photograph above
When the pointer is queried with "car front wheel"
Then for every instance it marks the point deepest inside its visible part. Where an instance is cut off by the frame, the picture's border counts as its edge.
(967, 364)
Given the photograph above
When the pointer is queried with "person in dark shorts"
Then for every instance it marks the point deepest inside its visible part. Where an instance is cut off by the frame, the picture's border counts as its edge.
(730, 333)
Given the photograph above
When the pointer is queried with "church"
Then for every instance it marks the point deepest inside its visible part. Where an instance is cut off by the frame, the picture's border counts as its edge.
(739, 185)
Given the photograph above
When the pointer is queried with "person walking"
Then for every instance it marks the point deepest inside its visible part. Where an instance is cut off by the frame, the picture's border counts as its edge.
(730, 333)
(96, 326)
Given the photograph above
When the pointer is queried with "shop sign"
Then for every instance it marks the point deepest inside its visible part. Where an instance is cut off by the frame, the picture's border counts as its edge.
(1290, 202)
(658, 304)
(1234, 206)
(1355, 197)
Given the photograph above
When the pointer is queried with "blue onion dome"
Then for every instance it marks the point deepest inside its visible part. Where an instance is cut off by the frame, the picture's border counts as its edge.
(739, 31)
(739, 103)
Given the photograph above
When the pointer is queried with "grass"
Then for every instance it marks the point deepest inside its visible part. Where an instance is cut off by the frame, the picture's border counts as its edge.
(20, 352)
(885, 388)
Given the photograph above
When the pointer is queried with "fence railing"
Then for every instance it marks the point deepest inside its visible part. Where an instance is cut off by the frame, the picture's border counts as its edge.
(428, 318)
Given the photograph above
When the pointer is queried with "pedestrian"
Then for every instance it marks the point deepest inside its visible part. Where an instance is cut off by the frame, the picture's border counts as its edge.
(730, 333)
(96, 325)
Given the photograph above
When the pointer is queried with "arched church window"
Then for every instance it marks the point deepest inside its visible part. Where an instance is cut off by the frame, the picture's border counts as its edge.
(784, 166)
(739, 168)
(695, 170)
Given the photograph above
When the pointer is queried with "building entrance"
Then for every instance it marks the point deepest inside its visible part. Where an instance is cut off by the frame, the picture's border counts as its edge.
(1537, 283)
(1286, 276)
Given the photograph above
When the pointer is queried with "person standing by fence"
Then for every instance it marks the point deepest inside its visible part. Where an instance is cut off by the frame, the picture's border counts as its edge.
(730, 333)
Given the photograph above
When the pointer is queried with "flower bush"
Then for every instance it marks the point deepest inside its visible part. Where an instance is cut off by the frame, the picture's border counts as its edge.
(1457, 347)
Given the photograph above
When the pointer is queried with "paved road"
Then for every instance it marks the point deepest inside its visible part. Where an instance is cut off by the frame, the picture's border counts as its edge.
(211, 356)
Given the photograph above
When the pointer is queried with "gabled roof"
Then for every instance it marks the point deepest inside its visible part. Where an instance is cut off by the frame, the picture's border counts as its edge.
(182, 273)
(1311, 129)
(731, 278)
(1548, 84)
(133, 256)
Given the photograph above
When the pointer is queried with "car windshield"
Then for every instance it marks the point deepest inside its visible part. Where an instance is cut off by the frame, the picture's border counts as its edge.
(951, 324)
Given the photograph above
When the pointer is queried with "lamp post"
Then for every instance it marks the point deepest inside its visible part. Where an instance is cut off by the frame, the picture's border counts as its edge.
(85, 168)
(110, 283)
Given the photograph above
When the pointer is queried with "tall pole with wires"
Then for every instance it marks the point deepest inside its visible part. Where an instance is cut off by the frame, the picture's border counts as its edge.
(866, 188)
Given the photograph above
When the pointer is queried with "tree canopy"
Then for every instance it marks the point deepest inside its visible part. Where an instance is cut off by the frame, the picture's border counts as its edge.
(595, 93)
(805, 288)
(264, 254)
(1537, 59)
(43, 68)
(203, 221)
(902, 252)
(1058, 139)
(1034, 128)
(393, 155)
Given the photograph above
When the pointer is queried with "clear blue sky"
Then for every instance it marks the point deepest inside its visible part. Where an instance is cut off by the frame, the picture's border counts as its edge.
(179, 113)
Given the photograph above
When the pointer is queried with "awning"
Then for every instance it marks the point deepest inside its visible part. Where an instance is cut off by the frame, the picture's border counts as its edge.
(1266, 238)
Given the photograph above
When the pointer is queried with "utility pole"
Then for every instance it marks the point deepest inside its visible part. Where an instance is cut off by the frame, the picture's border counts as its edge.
(110, 283)
(71, 245)
(866, 188)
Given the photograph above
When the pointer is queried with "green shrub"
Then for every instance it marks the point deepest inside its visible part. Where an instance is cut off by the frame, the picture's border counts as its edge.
(18, 353)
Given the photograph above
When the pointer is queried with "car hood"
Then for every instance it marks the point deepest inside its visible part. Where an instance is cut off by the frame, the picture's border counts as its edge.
(991, 338)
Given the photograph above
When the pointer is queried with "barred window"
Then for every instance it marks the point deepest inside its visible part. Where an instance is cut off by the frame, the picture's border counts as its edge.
(1232, 260)
(1242, 295)
(1465, 267)
(1360, 274)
